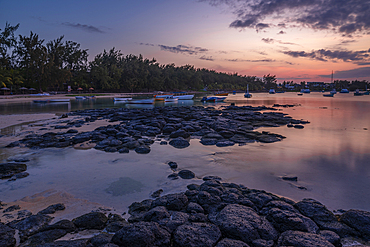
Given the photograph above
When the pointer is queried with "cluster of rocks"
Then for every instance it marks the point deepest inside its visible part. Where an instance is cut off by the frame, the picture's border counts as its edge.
(13, 170)
(211, 214)
(139, 127)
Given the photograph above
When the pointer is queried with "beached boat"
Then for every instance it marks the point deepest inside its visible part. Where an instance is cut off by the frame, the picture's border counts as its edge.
(247, 94)
(328, 95)
(272, 91)
(171, 99)
(140, 101)
(213, 99)
(122, 99)
(357, 93)
(221, 94)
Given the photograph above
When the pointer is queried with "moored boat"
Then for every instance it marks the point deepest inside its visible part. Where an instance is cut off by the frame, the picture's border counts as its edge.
(357, 93)
(161, 96)
(59, 100)
(141, 101)
(272, 91)
(344, 90)
(328, 95)
(247, 94)
(213, 99)
(122, 99)
(305, 90)
(171, 99)
(184, 97)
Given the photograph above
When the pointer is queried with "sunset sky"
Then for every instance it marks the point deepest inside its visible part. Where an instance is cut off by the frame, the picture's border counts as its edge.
(299, 40)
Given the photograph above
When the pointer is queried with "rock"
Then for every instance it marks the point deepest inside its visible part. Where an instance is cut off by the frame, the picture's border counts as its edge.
(225, 143)
(124, 150)
(11, 208)
(101, 239)
(30, 225)
(208, 141)
(196, 234)
(206, 178)
(19, 175)
(173, 176)
(359, 220)
(332, 237)
(44, 237)
(93, 220)
(302, 239)
(156, 214)
(179, 143)
(243, 223)
(290, 178)
(227, 242)
(7, 170)
(67, 243)
(284, 220)
(298, 126)
(179, 133)
(156, 193)
(66, 225)
(52, 209)
(142, 234)
(186, 174)
(172, 164)
(7, 238)
(176, 202)
(174, 221)
(262, 243)
(143, 149)
(194, 207)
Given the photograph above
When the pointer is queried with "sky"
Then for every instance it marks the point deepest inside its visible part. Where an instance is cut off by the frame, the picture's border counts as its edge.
(296, 40)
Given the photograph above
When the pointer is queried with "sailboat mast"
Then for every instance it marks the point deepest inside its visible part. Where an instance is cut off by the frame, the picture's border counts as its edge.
(332, 75)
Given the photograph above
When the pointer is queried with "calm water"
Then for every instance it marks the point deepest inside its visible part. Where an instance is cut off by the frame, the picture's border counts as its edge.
(330, 157)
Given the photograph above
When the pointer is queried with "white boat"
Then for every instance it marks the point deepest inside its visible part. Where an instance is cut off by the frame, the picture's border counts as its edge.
(247, 94)
(272, 91)
(140, 101)
(80, 97)
(161, 96)
(171, 99)
(41, 94)
(306, 90)
(122, 99)
(184, 97)
(59, 100)
(344, 90)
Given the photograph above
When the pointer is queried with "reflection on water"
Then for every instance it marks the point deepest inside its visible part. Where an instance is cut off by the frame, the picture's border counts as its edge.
(330, 157)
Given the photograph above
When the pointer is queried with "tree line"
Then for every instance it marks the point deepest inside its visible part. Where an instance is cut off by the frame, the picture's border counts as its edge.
(29, 61)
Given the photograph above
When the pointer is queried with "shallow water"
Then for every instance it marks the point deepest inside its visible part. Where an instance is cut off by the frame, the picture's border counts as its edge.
(330, 157)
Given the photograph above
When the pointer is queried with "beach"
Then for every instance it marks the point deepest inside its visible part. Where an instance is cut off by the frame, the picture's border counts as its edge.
(262, 167)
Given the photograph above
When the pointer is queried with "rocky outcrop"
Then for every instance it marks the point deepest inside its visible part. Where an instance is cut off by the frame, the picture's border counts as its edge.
(211, 214)
(139, 127)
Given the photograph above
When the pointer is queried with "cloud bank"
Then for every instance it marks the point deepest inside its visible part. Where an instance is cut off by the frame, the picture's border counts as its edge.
(358, 57)
(352, 73)
(343, 16)
(87, 28)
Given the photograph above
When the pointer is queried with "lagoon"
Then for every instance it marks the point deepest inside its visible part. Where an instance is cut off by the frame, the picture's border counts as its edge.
(330, 156)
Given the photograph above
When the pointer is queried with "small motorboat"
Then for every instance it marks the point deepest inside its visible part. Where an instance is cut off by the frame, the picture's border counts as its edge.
(221, 94)
(184, 97)
(122, 100)
(344, 90)
(80, 97)
(357, 93)
(161, 96)
(171, 99)
(328, 95)
(59, 100)
(333, 91)
(306, 90)
(300, 94)
(213, 99)
(272, 91)
(141, 101)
